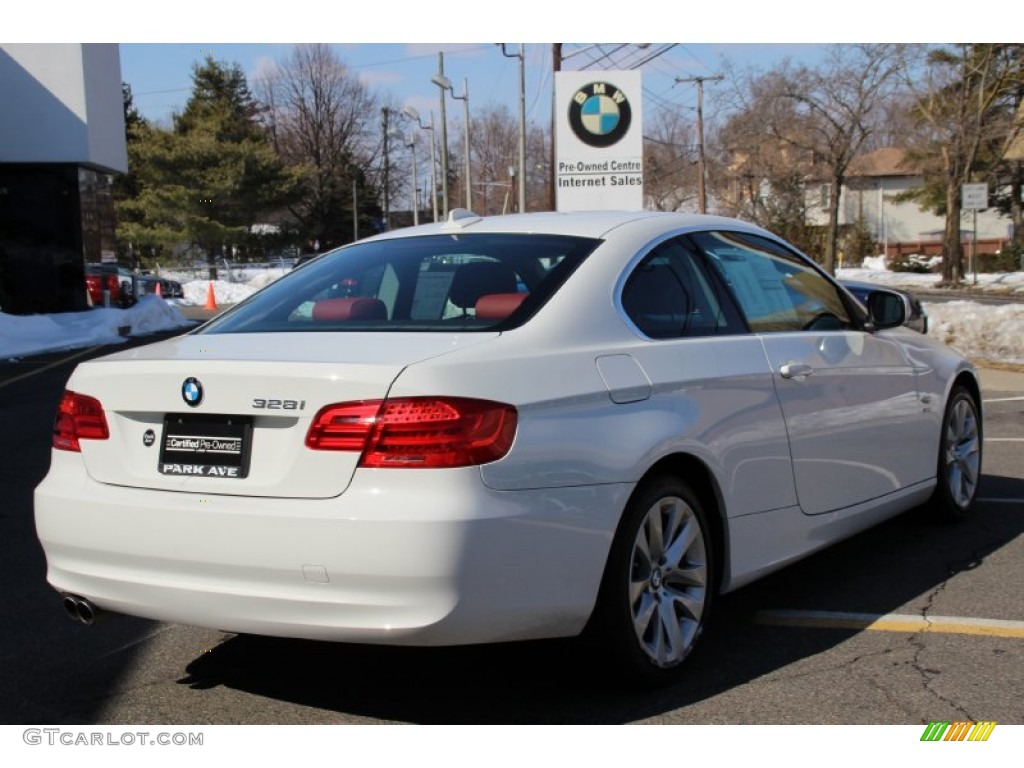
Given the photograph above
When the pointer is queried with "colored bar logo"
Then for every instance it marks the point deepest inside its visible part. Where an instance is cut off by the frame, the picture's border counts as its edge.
(960, 730)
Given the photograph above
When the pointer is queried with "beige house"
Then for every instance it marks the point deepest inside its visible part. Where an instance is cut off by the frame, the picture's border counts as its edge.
(869, 194)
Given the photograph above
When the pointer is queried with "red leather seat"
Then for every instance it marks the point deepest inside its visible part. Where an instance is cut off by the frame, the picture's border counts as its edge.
(350, 308)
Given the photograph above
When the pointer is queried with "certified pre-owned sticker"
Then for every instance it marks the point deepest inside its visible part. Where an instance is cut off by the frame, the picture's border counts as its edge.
(599, 114)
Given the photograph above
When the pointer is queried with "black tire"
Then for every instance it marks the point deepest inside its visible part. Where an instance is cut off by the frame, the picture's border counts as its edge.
(652, 610)
(959, 461)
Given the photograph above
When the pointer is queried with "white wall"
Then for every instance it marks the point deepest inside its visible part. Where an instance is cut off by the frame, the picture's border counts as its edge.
(61, 103)
(901, 222)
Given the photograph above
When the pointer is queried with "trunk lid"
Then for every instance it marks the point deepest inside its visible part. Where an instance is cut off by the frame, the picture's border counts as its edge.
(260, 392)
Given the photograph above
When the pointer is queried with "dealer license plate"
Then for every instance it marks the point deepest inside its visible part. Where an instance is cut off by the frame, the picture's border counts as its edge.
(202, 445)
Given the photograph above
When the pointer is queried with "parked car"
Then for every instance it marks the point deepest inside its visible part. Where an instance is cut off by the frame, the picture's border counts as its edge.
(169, 289)
(99, 277)
(131, 281)
(496, 429)
(891, 304)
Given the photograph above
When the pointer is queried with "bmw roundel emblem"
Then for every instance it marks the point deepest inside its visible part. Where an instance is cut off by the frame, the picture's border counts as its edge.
(599, 114)
(192, 391)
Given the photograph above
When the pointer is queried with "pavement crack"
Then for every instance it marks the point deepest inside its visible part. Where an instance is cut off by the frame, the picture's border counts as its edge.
(919, 645)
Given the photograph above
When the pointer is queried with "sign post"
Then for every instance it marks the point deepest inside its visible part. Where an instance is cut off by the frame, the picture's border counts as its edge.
(975, 198)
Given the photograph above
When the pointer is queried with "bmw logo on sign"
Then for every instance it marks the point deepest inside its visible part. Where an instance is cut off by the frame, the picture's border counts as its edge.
(192, 392)
(599, 114)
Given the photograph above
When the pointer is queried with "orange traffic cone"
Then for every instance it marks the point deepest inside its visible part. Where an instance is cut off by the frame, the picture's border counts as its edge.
(159, 292)
(211, 299)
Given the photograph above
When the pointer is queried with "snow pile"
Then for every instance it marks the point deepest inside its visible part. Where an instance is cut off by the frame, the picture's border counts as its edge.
(978, 331)
(224, 292)
(33, 334)
(245, 282)
(1003, 283)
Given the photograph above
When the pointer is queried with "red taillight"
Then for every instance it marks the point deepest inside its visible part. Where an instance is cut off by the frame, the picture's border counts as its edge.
(343, 427)
(79, 417)
(417, 431)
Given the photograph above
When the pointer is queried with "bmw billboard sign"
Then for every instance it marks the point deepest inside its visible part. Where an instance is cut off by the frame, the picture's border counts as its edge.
(599, 141)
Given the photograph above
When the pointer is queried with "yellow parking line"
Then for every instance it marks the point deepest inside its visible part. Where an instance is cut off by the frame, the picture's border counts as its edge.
(892, 622)
(54, 364)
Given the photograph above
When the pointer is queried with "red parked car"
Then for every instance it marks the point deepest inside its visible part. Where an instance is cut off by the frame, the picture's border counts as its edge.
(96, 276)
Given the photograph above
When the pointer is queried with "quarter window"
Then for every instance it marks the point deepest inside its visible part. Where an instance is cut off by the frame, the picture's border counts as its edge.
(668, 295)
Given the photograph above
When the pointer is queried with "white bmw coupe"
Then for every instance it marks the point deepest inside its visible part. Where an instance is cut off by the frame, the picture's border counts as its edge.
(496, 429)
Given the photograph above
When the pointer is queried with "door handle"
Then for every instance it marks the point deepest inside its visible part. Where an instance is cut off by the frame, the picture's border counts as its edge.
(795, 370)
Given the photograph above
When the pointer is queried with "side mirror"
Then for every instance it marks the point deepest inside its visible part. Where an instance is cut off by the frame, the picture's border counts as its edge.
(887, 309)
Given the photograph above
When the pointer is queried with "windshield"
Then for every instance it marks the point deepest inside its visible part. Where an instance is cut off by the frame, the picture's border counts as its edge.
(430, 283)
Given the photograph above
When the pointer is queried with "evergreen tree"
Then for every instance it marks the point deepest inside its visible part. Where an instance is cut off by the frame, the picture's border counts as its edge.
(210, 179)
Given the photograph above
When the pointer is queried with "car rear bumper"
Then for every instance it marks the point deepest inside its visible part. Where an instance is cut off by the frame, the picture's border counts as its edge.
(416, 557)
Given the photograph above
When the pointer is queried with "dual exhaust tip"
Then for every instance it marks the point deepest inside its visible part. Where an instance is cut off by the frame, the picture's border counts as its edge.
(82, 611)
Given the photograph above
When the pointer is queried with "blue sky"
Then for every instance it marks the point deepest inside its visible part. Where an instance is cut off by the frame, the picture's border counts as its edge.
(160, 73)
(393, 44)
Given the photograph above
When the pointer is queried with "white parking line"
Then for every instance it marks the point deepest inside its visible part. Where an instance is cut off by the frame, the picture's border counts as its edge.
(1004, 439)
(1003, 400)
(892, 622)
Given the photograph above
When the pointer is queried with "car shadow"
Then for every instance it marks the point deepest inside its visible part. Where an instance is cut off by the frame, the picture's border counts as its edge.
(563, 681)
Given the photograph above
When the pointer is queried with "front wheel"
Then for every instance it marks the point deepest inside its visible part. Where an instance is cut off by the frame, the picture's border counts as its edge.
(959, 467)
(658, 585)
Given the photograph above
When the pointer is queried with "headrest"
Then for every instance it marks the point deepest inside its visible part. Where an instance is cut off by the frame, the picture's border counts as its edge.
(498, 306)
(471, 281)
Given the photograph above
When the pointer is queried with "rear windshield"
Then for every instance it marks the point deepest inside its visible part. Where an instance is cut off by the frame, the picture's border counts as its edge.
(430, 283)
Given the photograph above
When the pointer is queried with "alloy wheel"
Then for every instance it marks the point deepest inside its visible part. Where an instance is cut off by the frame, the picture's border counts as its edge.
(668, 578)
(962, 452)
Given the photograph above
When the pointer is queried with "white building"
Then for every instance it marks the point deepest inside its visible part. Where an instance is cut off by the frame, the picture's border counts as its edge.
(62, 137)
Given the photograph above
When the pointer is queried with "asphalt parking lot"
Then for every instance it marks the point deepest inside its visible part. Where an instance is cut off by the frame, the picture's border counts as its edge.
(909, 622)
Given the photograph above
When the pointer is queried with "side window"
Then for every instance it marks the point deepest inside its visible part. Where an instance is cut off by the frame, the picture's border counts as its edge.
(668, 295)
(777, 290)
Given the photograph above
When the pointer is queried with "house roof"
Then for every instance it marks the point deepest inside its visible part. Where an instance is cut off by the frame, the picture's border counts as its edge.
(890, 161)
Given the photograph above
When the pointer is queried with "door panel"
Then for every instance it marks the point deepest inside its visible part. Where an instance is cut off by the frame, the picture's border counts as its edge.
(856, 423)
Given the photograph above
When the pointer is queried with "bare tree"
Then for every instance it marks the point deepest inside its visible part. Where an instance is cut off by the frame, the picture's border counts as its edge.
(495, 151)
(670, 169)
(835, 110)
(324, 120)
(762, 175)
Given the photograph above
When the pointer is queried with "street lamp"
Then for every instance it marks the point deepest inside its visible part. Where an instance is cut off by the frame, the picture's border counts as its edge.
(446, 84)
(442, 83)
(522, 120)
(411, 144)
(412, 114)
(386, 130)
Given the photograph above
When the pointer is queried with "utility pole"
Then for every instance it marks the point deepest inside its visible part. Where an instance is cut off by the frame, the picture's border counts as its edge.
(444, 141)
(702, 193)
(556, 67)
